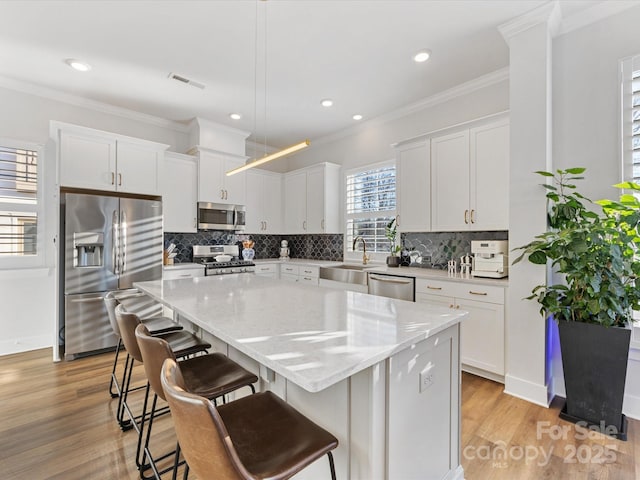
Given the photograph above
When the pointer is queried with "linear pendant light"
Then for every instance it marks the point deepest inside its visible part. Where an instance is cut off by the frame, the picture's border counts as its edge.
(284, 151)
(268, 158)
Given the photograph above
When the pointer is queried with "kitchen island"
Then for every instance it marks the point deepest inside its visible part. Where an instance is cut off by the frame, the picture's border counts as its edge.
(382, 375)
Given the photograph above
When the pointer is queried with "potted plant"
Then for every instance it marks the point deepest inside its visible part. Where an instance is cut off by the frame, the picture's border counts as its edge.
(390, 231)
(595, 257)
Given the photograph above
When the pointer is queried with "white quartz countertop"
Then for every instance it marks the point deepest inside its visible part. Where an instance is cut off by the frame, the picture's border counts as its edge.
(415, 272)
(312, 336)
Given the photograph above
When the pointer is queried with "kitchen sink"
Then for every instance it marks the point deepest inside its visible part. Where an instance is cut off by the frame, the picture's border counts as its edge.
(346, 273)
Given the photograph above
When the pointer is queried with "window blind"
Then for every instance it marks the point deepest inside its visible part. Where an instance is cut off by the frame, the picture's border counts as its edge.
(370, 206)
(18, 201)
(635, 124)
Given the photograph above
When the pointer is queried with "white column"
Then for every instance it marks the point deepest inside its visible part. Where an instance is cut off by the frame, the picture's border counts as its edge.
(529, 38)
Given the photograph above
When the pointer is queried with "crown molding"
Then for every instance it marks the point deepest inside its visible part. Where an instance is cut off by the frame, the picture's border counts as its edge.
(202, 122)
(548, 13)
(444, 96)
(599, 11)
(58, 96)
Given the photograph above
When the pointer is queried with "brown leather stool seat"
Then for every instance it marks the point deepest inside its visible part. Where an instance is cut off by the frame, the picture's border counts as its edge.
(255, 437)
(156, 325)
(182, 343)
(210, 376)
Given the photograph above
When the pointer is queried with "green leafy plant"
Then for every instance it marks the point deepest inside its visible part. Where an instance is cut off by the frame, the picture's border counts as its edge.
(390, 231)
(596, 254)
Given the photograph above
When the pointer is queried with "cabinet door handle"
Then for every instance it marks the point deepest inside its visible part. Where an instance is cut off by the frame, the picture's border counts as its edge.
(304, 225)
(466, 217)
(113, 178)
(226, 195)
(484, 294)
(265, 224)
(457, 307)
(472, 219)
(195, 222)
(451, 306)
(398, 220)
(185, 275)
(433, 288)
(119, 179)
(221, 194)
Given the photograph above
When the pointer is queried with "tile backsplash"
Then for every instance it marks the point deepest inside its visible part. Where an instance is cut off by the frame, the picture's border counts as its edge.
(315, 247)
(436, 248)
(432, 248)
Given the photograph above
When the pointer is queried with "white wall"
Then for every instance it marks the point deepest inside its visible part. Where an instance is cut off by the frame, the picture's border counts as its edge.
(371, 142)
(586, 110)
(28, 296)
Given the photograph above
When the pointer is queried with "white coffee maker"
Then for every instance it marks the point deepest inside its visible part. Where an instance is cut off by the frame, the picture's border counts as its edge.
(284, 250)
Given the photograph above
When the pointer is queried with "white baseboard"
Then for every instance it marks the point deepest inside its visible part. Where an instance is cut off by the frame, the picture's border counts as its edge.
(526, 390)
(19, 345)
(631, 406)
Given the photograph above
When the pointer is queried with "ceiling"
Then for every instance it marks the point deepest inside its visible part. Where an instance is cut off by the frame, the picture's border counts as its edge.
(358, 53)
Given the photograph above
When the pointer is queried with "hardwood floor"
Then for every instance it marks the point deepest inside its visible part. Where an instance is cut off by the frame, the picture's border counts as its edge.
(57, 422)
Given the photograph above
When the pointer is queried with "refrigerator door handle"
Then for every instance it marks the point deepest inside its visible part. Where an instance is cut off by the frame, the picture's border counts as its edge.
(123, 237)
(115, 243)
(87, 300)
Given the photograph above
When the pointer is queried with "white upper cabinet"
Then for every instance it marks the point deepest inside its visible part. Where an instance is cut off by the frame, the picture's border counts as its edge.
(413, 186)
(264, 202)
(295, 202)
(179, 192)
(470, 178)
(213, 184)
(490, 176)
(450, 182)
(312, 200)
(104, 161)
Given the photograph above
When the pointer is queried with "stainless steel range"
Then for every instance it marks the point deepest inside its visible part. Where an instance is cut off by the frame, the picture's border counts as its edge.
(221, 259)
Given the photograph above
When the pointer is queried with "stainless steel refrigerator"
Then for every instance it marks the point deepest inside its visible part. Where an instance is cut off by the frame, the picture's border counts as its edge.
(109, 243)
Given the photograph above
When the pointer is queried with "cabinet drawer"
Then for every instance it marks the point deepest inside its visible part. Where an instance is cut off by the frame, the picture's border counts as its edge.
(309, 280)
(265, 269)
(170, 274)
(461, 290)
(290, 269)
(435, 287)
(480, 293)
(309, 271)
(287, 277)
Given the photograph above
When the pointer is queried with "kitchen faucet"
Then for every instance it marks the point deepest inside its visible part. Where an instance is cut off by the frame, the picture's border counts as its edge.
(365, 257)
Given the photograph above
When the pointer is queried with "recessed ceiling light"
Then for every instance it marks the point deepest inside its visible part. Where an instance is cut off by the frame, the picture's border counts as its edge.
(327, 102)
(422, 56)
(357, 116)
(78, 65)
(235, 116)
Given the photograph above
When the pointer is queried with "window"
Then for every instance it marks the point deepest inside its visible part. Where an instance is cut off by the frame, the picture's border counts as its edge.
(630, 134)
(370, 206)
(18, 200)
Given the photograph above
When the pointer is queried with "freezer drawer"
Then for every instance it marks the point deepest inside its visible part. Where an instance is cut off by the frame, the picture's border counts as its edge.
(87, 327)
(86, 324)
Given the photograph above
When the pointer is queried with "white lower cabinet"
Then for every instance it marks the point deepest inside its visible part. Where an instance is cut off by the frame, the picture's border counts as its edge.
(309, 274)
(270, 270)
(482, 332)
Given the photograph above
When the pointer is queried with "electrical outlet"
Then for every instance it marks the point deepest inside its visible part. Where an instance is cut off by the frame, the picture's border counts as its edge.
(426, 378)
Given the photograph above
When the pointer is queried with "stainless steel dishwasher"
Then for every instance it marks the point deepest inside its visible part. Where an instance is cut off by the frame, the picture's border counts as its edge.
(392, 286)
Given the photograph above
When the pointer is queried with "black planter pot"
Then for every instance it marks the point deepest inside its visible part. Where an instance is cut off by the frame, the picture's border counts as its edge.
(594, 360)
(393, 261)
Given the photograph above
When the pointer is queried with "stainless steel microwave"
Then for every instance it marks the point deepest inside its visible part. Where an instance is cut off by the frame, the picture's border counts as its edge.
(218, 216)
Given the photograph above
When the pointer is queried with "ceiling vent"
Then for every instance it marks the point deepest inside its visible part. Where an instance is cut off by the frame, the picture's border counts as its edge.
(182, 79)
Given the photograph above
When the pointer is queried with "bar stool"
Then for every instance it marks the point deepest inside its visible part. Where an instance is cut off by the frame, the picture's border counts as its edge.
(182, 344)
(211, 376)
(156, 325)
(255, 437)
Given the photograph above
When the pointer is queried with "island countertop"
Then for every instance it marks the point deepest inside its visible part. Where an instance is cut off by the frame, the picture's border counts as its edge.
(312, 336)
